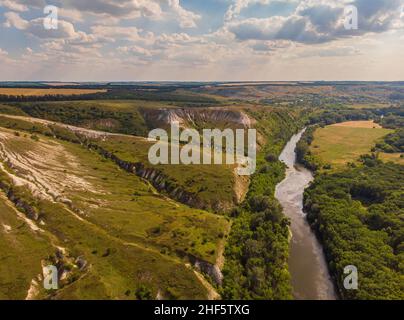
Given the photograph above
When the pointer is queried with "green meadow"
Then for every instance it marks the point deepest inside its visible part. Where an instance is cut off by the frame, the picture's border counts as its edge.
(338, 145)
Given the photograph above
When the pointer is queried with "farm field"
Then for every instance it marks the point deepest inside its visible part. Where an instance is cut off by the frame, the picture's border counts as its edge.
(342, 143)
(43, 92)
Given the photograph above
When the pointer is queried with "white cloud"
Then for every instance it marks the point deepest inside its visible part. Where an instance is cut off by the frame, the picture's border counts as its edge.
(136, 51)
(14, 20)
(71, 14)
(319, 21)
(123, 9)
(235, 9)
(186, 18)
(13, 5)
(242, 48)
(113, 33)
(3, 52)
(114, 11)
(36, 28)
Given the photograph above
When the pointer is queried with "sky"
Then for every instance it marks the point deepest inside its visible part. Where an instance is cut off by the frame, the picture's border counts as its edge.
(202, 40)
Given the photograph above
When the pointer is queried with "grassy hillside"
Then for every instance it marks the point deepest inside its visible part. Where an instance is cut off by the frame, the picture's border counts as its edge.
(22, 248)
(195, 185)
(128, 235)
(153, 221)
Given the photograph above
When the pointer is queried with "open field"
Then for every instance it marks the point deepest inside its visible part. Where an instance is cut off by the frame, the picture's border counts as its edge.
(394, 157)
(369, 105)
(358, 124)
(44, 92)
(342, 143)
(127, 233)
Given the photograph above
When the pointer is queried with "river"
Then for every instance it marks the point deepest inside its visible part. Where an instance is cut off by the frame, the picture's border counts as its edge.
(307, 265)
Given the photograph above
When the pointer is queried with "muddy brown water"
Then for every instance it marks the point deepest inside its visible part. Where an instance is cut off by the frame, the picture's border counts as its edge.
(307, 264)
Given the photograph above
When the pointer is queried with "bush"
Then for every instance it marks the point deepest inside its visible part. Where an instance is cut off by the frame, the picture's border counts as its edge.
(143, 293)
(270, 157)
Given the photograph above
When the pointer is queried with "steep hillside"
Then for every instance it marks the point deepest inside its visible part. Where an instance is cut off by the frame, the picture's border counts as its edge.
(195, 185)
(118, 237)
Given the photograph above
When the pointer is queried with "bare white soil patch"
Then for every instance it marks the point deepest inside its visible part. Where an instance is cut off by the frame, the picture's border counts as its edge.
(46, 168)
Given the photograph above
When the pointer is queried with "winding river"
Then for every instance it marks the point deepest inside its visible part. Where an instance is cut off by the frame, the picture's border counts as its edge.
(307, 265)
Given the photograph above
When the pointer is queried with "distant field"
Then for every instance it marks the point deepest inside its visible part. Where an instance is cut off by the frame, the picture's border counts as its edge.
(394, 157)
(369, 105)
(342, 143)
(358, 124)
(44, 92)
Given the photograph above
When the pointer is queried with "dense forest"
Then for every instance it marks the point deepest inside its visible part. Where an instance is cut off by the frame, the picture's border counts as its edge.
(331, 116)
(303, 153)
(146, 93)
(360, 223)
(394, 142)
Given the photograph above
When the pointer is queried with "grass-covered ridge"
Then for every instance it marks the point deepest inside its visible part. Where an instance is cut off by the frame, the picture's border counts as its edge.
(195, 185)
(129, 235)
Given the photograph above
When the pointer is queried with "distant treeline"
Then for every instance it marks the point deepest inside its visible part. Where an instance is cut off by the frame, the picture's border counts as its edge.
(168, 94)
(96, 116)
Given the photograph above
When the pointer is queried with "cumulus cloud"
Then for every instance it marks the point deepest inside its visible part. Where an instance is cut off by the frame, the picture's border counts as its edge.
(36, 28)
(3, 52)
(293, 28)
(235, 9)
(136, 51)
(319, 21)
(187, 19)
(13, 5)
(113, 10)
(123, 8)
(113, 33)
(154, 35)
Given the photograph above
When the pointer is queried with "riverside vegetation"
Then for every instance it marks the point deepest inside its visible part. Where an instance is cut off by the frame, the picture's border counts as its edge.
(356, 205)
